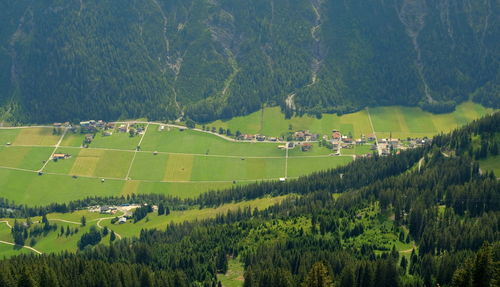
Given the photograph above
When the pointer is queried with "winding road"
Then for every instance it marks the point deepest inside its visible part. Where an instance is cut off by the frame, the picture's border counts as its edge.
(13, 244)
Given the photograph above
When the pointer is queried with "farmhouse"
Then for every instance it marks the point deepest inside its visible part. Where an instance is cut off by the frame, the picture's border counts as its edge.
(336, 135)
(360, 141)
(393, 141)
(306, 147)
(371, 137)
(105, 209)
(57, 156)
(122, 128)
(122, 220)
(347, 140)
(248, 137)
(88, 138)
(260, 138)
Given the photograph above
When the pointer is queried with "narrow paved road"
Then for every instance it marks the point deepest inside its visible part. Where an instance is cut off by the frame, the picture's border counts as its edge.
(6, 222)
(13, 244)
(27, 247)
(379, 150)
(99, 225)
(55, 149)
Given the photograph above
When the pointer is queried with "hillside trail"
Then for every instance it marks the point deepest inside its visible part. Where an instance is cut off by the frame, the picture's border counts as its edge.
(13, 244)
(98, 223)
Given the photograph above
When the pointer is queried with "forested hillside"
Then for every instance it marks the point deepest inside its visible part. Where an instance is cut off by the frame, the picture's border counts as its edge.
(81, 59)
(434, 199)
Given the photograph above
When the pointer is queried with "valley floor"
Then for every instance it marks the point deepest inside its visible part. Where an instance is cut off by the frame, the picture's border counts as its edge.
(170, 159)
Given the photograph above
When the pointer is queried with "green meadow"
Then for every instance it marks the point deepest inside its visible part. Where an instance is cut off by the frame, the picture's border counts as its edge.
(24, 157)
(491, 163)
(183, 167)
(8, 135)
(299, 166)
(186, 163)
(38, 136)
(160, 222)
(201, 143)
(54, 242)
(271, 122)
(401, 121)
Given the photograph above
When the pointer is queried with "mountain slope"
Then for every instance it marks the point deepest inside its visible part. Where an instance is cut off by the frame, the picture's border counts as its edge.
(80, 59)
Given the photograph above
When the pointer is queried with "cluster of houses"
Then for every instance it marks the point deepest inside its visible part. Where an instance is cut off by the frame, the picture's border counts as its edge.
(303, 136)
(340, 141)
(257, 137)
(92, 126)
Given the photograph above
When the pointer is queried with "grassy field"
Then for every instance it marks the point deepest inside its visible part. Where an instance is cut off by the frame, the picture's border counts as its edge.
(8, 135)
(194, 142)
(160, 222)
(9, 250)
(36, 136)
(92, 162)
(298, 166)
(54, 242)
(117, 140)
(24, 157)
(191, 162)
(405, 122)
(32, 189)
(401, 121)
(491, 163)
(234, 275)
(271, 122)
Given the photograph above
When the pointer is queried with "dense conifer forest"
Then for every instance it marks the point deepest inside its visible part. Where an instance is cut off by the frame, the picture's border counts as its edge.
(82, 59)
(436, 196)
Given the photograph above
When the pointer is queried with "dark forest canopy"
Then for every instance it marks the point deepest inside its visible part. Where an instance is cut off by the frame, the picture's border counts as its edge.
(438, 196)
(82, 59)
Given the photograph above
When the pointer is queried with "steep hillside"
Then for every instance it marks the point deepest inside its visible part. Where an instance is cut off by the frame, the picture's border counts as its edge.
(80, 59)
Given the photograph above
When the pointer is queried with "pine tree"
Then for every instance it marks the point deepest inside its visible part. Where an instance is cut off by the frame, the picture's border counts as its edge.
(318, 277)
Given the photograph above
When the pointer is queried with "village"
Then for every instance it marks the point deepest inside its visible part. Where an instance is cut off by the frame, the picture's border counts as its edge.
(338, 142)
(304, 140)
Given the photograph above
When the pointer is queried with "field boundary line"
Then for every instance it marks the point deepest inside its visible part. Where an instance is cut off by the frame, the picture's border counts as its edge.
(16, 168)
(54, 151)
(98, 223)
(146, 180)
(127, 177)
(286, 161)
(203, 155)
(13, 244)
(23, 246)
(373, 130)
(64, 220)
(23, 127)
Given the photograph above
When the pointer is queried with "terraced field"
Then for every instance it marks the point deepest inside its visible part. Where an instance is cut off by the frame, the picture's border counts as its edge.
(184, 162)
